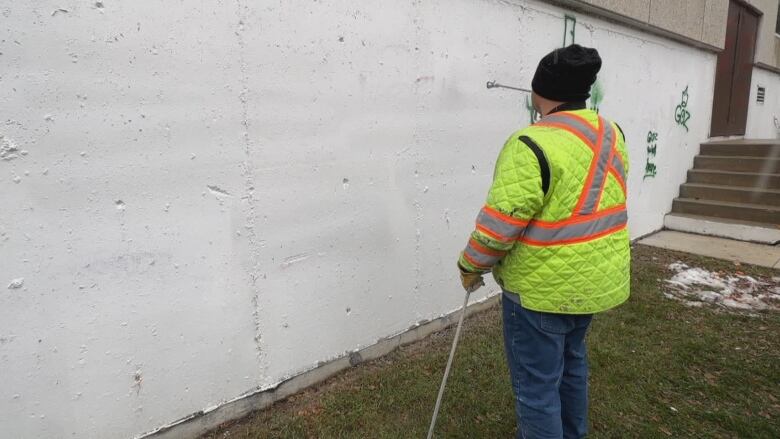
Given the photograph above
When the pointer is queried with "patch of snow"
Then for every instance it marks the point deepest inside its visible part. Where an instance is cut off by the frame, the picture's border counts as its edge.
(695, 286)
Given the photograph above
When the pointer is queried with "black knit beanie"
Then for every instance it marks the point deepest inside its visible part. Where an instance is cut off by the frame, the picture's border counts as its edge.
(566, 75)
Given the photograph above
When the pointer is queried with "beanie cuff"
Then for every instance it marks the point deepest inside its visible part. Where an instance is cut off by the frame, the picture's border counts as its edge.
(548, 90)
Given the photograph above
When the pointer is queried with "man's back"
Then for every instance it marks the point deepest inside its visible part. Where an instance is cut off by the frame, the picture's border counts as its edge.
(553, 232)
(573, 256)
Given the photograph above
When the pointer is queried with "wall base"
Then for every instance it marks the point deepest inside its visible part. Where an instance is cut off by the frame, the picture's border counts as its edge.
(198, 423)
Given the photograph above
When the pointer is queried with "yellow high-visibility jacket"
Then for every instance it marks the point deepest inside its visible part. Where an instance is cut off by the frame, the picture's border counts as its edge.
(554, 228)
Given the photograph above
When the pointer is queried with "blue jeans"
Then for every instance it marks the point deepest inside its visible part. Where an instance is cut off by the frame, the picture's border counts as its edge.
(548, 364)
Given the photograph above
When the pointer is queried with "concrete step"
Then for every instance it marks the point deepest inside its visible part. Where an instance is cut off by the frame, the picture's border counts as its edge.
(736, 194)
(726, 249)
(723, 227)
(766, 150)
(737, 164)
(723, 209)
(745, 179)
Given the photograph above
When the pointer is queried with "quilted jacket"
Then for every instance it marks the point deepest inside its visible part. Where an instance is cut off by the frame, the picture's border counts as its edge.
(554, 227)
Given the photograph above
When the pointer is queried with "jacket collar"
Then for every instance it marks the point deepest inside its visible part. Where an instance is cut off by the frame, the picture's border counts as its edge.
(569, 106)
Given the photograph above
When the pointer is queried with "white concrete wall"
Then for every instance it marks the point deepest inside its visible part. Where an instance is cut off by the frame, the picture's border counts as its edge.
(200, 199)
(764, 119)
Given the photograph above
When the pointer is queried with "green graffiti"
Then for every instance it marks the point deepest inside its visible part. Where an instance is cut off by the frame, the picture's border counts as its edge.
(596, 96)
(569, 26)
(533, 114)
(681, 113)
(650, 169)
(652, 149)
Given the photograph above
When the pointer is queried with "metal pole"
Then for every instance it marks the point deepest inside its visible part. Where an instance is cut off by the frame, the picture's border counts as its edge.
(494, 84)
(449, 366)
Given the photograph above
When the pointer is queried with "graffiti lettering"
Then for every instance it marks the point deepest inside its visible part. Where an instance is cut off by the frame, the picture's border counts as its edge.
(652, 149)
(650, 169)
(681, 113)
(651, 137)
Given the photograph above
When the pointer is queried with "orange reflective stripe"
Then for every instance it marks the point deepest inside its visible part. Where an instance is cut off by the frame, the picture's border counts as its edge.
(569, 129)
(592, 171)
(578, 219)
(474, 263)
(581, 120)
(584, 229)
(612, 151)
(586, 222)
(503, 217)
(620, 181)
(499, 226)
(482, 249)
(577, 240)
(618, 169)
(493, 234)
(575, 124)
(596, 187)
(481, 256)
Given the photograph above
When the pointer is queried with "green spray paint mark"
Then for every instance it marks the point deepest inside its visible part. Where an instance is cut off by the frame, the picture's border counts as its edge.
(532, 113)
(652, 149)
(650, 170)
(681, 113)
(596, 96)
(569, 26)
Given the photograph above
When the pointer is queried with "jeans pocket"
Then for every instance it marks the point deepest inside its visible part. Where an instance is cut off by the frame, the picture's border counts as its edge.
(556, 323)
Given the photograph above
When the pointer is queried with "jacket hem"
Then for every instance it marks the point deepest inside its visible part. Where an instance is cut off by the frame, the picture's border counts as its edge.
(519, 296)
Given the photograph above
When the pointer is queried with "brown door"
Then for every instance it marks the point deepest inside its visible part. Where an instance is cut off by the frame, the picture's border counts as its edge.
(734, 71)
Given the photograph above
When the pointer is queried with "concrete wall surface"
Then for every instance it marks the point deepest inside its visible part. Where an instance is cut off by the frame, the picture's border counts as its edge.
(764, 119)
(201, 199)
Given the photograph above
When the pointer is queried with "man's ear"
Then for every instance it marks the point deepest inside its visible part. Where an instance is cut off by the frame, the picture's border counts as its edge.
(535, 102)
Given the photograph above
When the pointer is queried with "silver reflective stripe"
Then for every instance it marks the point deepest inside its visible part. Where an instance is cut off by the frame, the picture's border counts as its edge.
(506, 230)
(575, 124)
(481, 258)
(577, 230)
(601, 170)
(618, 165)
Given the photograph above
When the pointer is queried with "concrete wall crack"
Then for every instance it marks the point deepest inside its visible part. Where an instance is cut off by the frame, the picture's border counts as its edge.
(242, 12)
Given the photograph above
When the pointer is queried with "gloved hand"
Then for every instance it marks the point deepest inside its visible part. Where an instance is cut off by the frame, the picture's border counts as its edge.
(471, 281)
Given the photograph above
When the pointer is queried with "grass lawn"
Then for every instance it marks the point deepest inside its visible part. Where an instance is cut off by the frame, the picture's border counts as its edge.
(658, 369)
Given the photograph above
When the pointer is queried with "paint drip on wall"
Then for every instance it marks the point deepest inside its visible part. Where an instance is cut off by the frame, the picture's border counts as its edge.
(569, 27)
(533, 115)
(596, 96)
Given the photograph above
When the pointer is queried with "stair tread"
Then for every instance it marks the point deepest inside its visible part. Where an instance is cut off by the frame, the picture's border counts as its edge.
(726, 220)
(733, 157)
(715, 171)
(734, 188)
(733, 148)
(731, 204)
(743, 142)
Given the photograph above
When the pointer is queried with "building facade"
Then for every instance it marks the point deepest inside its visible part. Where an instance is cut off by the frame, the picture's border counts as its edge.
(205, 200)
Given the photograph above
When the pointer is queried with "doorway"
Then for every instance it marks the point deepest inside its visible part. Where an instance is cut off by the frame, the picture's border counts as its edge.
(734, 71)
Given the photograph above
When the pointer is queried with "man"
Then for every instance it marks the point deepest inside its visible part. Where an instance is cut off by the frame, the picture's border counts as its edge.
(553, 232)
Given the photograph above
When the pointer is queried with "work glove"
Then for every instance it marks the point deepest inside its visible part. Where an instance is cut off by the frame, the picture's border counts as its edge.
(471, 281)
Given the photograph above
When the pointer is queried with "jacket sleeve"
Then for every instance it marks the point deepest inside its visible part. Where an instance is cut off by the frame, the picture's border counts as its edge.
(515, 197)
